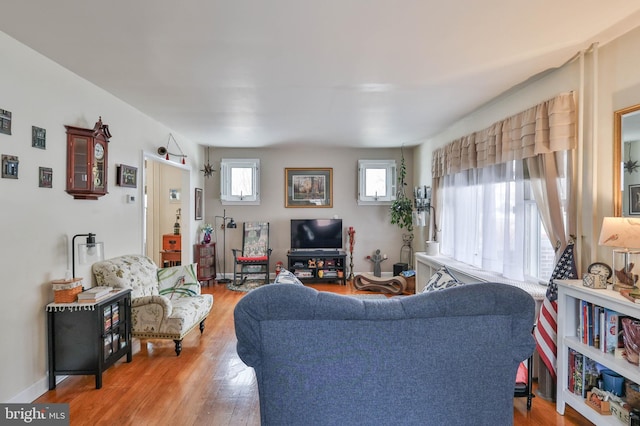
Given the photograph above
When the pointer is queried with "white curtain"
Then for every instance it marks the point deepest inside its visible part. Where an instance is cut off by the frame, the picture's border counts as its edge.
(484, 224)
(542, 136)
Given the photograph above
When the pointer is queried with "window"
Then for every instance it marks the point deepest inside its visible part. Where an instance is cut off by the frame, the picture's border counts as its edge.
(492, 222)
(376, 181)
(239, 181)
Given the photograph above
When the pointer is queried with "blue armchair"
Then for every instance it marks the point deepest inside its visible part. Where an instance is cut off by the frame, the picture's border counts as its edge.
(442, 358)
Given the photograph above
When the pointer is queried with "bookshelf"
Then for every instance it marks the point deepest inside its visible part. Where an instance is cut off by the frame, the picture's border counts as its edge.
(205, 257)
(570, 295)
(88, 338)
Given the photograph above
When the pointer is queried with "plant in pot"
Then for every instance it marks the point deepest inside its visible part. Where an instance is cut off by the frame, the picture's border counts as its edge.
(402, 215)
(401, 207)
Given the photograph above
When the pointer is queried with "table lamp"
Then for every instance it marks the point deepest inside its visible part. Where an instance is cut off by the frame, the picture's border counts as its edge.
(623, 233)
(89, 252)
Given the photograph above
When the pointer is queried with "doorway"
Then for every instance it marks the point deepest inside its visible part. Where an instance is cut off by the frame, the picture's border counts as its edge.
(166, 202)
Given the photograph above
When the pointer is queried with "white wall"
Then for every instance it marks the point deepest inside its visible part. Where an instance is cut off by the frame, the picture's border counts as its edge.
(372, 223)
(38, 223)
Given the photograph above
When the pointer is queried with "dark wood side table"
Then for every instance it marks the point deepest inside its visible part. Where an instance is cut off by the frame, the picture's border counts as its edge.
(88, 338)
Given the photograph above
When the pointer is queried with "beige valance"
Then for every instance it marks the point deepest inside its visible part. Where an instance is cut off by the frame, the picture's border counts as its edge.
(544, 128)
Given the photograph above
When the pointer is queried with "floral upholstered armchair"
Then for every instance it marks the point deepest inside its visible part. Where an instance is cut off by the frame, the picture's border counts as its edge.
(165, 302)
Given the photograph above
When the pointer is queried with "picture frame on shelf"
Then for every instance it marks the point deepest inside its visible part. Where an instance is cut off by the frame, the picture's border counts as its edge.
(309, 187)
(38, 137)
(198, 203)
(45, 177)
(127, 176)
(10, 166)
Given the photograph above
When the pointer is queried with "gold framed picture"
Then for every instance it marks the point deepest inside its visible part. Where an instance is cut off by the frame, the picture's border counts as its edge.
(308, 187)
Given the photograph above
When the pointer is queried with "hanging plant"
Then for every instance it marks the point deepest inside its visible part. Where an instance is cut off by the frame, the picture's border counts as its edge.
(630, 166)
(401, 207)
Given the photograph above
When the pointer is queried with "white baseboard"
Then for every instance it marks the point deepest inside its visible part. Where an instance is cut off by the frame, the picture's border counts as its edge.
(34, 391)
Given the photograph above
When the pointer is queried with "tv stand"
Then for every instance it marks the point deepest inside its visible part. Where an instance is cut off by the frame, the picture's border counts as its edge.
(318, 265)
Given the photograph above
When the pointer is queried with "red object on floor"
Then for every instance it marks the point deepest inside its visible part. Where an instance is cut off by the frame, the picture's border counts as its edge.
(522, 374)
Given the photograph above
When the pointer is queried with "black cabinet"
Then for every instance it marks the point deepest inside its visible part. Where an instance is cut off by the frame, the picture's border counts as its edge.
(87, 338)
(318, 267)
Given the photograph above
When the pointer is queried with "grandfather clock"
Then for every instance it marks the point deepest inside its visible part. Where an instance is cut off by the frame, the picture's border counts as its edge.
(87, 161)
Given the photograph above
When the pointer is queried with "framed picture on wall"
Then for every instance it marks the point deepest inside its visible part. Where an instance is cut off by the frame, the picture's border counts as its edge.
(634, 199)
(45, 177)
(127, 176)
(308, 187)
(198, 206)
(38, 137)
(174, 196)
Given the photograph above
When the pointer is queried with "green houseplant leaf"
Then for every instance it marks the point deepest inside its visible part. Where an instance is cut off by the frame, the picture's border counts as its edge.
(401, 207)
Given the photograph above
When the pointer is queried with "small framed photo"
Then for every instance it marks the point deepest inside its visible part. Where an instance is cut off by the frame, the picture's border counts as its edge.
(308, 187)
(634, 199)
(10, 166)
(38, 137)
(127, 176)
(45, 177)
(198, 206)
(174, 196)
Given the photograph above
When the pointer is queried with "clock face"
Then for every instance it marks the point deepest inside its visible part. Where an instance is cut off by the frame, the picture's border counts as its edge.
(99, 151)
(600, 268)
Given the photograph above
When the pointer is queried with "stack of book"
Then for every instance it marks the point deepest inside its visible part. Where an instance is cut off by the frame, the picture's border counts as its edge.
(600, 327)
(94, 294)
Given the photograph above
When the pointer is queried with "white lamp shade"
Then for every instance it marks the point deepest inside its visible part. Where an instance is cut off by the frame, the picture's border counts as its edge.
(621, 232)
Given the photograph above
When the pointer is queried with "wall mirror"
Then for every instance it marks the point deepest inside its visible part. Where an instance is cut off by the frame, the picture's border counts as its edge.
(626, 157)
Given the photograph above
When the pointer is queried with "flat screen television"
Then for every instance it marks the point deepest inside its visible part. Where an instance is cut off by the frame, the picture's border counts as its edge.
(316, 234)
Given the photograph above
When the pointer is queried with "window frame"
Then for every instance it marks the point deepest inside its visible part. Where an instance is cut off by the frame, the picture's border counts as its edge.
(226, 169)
(390, 181)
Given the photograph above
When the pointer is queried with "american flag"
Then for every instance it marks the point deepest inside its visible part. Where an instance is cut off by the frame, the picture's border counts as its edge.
(545, 331)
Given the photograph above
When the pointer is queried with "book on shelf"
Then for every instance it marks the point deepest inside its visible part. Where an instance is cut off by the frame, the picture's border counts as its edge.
(575, 365)
(612, 324)
(583, 373)
(599, 327)
(603, 331)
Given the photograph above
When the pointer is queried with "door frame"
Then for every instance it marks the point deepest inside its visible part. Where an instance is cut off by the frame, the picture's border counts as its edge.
(149, 217)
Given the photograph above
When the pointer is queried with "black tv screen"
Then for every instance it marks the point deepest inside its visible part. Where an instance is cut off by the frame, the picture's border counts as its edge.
(316, 234)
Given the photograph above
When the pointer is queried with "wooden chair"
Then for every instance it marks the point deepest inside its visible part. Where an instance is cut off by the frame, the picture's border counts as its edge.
(255, 253)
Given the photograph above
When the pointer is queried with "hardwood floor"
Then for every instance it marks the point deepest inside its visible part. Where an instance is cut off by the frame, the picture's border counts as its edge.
(207, 384)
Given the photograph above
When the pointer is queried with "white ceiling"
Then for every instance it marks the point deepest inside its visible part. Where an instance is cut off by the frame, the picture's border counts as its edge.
(360, 73)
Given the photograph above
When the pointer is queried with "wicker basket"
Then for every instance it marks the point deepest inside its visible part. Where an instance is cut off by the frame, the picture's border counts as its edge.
(632, 394)
(66, 291)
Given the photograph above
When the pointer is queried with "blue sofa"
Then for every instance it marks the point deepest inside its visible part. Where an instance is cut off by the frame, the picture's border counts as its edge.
(446, 357)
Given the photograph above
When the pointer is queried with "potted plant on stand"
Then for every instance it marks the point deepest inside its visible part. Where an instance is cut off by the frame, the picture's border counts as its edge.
(402, 214)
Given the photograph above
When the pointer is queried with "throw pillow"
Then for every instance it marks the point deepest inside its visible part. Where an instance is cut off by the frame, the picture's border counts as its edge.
(287, 277)
(440, 280)
(179, 281)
